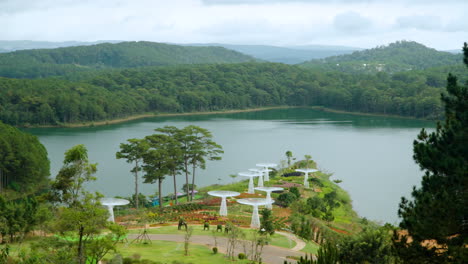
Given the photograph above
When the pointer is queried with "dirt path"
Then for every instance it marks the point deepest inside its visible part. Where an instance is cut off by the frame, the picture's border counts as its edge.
(270, 254)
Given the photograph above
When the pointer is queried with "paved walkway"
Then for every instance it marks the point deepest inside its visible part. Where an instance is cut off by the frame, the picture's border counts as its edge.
(270, 254)
(300, 244)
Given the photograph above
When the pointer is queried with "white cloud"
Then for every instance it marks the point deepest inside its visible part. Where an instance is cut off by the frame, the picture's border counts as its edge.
(351, 22)
(363, 23)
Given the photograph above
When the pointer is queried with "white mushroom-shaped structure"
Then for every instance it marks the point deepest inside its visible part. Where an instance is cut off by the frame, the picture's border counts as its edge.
(266, 166)
(306, 175)
(223, 195)
(110, 203)
(260, 178)
(255, 202)
(268, 190)
(251, 175)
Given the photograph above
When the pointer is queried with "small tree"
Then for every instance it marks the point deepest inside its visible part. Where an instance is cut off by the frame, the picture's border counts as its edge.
(267, 222)
(289, 156)
(133, 153)
(187, 236)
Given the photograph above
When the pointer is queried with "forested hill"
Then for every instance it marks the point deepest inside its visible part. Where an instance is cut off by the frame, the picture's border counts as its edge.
(396, 57)
(176, 89)
(52, 62)
(288, 55)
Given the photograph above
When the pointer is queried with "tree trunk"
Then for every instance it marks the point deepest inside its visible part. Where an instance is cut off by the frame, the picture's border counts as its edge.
(175, 187)
(160, 194)
(193, 180)
(136, 185)
(80, 246)
(187, 187)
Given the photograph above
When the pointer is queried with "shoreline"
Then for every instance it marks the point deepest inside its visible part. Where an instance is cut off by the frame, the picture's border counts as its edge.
(234, 111)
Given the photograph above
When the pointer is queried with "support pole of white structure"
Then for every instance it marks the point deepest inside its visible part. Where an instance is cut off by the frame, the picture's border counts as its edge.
(306, 180)
(255, 223)
(223, 208)
(260, 181)
(267, 175)
(110, 208)
(269, 202)
(251, 186)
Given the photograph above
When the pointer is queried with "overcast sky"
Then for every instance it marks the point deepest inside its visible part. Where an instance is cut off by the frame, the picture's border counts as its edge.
(440, 24)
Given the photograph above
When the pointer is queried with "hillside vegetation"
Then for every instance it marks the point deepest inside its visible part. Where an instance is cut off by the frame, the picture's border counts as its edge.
(396, 57)
(52, 62)
(177, 89)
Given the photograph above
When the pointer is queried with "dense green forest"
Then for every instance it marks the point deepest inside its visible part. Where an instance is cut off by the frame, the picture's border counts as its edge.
(396, 57)
(119, 94)
(40, 63)
(289, 54)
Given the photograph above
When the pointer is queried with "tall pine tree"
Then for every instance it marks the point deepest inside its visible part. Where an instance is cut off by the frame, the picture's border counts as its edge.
(436, 219)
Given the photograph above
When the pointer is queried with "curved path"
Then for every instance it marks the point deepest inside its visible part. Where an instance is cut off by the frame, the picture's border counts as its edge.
(300, 244)
(270, 254)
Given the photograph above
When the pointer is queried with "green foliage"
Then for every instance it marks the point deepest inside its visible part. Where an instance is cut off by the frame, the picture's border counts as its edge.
(285, 199)
(241, 256)
(17, 218)
(396, 57)
(438, 209)
(122, 93)
(215, 250)
(295, 191)
(39, 63)
(23, 160)
(267, 221)
(373, 246)
(133, 153)
(67, 188)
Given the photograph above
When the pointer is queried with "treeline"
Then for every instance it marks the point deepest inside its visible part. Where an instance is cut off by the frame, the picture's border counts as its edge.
(128, 92)
(396, 57)
(41, 63)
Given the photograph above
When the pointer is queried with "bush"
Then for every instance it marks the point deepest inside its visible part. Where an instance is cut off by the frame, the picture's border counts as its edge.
(290, 174)
(215, 250)
(242, 256)
(285, 199)
(295, 191)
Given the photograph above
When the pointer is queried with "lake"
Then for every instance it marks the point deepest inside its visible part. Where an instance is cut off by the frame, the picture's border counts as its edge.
(372, 155)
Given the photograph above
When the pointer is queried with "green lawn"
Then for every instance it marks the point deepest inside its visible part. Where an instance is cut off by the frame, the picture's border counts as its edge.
(167, 252)
(311, 247)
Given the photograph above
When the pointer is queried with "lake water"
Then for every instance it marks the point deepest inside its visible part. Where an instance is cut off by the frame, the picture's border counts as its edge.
(372, 155)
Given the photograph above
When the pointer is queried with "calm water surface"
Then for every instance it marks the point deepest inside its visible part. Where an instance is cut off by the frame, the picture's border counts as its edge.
(372, 155)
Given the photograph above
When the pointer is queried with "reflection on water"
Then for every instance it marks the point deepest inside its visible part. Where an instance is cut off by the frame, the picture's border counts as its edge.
(372, 155)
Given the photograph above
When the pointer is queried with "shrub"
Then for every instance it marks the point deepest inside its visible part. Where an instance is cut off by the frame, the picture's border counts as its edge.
(242, 256)
(295, 191)
(215, 250)
(294, 173)
(285, 199)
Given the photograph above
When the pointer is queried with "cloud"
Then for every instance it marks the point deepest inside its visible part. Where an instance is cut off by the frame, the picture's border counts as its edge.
(422, 22)
(351, 22)
(254, 2)
(363, 23)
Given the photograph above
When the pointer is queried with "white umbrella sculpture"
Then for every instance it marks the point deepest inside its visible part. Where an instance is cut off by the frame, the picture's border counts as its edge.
(306, 175)
(110, 203)
(255, 202)
(268, 190)
(266, 166)
(223, 195)
(250, 174)
(260, 178)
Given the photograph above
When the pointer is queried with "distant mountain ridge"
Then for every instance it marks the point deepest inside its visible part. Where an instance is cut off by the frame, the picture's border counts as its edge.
(286, 54)
(50, 62)
(14, 45)
(395, 57)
